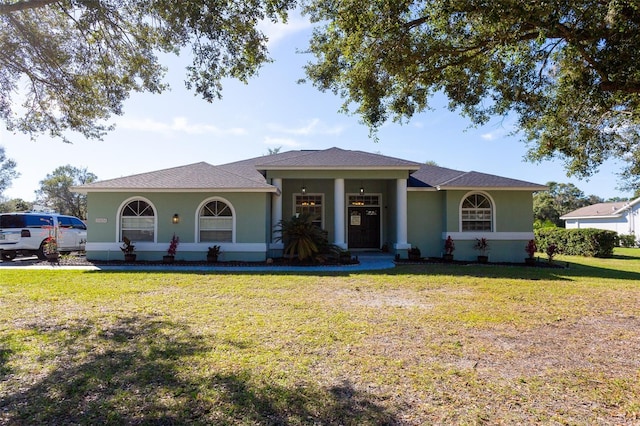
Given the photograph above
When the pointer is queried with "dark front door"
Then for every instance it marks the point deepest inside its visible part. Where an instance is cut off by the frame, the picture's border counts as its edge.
(364, 227)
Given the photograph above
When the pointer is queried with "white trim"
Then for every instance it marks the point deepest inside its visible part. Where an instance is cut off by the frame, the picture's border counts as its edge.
(178, 190)
(422, 189)
(119, 216)
(276, 207)
(402, 246)
(307, 168)
(616, 216)
(233, 218)
(498, 236)
(183, 247)
(493, 188)
(339, 213)
(494, 227)
(402, 213)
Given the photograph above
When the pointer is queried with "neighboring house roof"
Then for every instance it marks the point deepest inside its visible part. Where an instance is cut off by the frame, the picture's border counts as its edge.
(441, 178)
(249, 175)
(193, 177)
(601, 210)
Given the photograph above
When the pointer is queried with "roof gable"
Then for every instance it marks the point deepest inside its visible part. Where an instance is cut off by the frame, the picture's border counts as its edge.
(442, 178)
(602, 210)
(333, 158)
(197, 176)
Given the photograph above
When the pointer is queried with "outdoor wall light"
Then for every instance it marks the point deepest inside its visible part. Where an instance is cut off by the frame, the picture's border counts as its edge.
(303, 189)
(362, 190)
(175, 218)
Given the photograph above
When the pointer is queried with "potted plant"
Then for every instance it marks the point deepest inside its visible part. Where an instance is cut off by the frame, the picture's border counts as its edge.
(344, 257)
(171, 251)
(128, 249)
(482, 245)
(414, 253)
(531, 250)
(213, 253)
(551, 251)
(50, 249)
(449, 247)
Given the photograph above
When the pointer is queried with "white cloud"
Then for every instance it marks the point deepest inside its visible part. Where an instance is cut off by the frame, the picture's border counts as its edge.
(489, 136)
(177, 125)
(313, 127)
(278, 31)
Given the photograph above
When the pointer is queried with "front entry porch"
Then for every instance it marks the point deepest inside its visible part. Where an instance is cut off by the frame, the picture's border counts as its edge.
(357, 213)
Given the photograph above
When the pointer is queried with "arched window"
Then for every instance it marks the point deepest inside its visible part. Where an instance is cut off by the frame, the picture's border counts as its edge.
(216, 222)
(137, 221)
(476, 213)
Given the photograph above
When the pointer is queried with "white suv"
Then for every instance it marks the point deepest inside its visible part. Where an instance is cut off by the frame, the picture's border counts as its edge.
(26, 233)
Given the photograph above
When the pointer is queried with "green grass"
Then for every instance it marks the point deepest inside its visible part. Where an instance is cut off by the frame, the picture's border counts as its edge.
(419, 344)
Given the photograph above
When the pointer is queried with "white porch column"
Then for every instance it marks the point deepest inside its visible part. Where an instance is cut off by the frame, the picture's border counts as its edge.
(338, 213)
(276, 209)
(401, 218)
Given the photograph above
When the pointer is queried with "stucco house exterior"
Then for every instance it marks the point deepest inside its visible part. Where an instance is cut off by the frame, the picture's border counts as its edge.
(364, 201)
(622, 217)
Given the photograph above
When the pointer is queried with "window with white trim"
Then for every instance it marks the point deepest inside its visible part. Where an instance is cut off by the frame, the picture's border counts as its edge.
(310, 204)
(137, 221)
(216, 222)
(476, 213)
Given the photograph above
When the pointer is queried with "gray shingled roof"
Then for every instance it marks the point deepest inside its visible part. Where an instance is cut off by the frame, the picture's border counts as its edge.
(613, 209)
(442, 178)
(595, 210)
(246, 175)
(198, 176)
(334, 158)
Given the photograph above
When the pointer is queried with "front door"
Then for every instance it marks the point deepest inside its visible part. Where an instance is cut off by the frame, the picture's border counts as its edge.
(364, 227)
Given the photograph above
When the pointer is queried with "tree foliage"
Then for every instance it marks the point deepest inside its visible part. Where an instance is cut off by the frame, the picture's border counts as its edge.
(55, 190)
(80, 59)
(15, 205)
(560, 199)
(569, 70)
(7, 171)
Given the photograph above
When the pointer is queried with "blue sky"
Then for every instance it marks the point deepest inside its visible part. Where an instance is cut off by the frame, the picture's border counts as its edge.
(273, 110)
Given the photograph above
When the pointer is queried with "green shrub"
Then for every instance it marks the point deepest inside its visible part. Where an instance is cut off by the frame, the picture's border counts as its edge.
(577, 242)
(301, 237)
(627, 240)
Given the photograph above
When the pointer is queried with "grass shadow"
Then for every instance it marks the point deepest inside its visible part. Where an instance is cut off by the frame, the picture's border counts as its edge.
(570, 273)
(133, 372)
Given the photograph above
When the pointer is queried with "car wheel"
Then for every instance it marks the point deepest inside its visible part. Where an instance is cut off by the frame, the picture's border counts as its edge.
(8, 255)
(40, 251)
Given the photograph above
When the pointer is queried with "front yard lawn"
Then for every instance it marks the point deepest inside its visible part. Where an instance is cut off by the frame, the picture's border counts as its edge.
(419, 344)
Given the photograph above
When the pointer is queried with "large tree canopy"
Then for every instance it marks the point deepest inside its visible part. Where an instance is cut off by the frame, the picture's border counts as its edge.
(80, 59)
(569, 70)
(55, 190)
(7, 171)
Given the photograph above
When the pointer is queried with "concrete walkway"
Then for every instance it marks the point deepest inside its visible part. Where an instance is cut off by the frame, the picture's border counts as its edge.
(369, 261)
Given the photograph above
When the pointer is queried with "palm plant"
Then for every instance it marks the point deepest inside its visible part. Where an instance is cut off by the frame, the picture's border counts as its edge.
(301, 237)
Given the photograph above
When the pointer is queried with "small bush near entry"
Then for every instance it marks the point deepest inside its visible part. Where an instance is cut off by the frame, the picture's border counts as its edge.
(578, 242)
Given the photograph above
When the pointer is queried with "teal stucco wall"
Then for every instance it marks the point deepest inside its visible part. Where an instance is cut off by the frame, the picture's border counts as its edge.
(103, 239)
(513, 224)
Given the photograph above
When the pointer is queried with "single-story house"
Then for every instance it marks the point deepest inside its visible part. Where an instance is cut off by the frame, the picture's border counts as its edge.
(364, 201)
(621, 217)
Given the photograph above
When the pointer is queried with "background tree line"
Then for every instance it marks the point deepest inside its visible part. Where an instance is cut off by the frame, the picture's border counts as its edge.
(560, 199)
